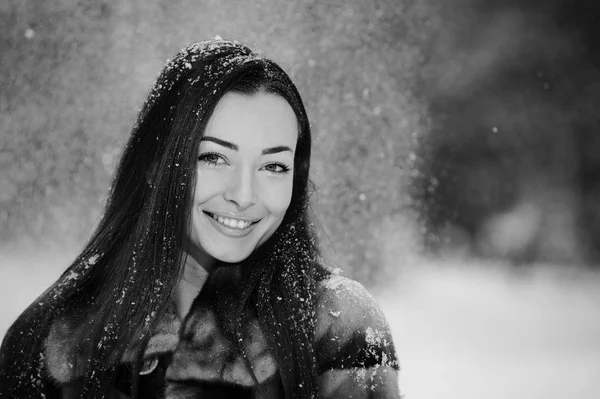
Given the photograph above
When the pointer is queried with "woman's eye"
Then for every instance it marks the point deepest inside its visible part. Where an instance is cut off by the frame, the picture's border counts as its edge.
(211, 159)
(278, 168)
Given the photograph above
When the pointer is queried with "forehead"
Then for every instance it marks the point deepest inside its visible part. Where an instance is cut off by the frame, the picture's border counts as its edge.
(254, 121)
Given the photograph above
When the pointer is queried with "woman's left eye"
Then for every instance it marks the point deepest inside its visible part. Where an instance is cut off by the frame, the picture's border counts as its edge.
(277, 168)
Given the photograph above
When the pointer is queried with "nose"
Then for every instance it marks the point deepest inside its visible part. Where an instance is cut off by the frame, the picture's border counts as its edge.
(241, 190)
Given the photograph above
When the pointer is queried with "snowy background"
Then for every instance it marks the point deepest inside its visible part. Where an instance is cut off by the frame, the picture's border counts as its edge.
(456, 156)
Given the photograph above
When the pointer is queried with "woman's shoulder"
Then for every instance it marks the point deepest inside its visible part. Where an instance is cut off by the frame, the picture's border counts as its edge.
(345, 303)
(22, 356)
(346, 313)
(355, 352)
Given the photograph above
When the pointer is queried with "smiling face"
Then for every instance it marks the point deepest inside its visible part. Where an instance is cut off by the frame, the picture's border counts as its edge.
(244, 177)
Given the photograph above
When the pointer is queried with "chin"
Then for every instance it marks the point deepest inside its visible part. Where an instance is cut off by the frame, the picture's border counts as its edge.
(232, 258)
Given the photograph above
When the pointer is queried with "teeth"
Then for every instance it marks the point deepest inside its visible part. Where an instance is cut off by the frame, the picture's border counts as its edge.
(232, 223)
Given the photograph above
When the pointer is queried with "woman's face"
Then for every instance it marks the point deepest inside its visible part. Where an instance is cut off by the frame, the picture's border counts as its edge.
(244, 176)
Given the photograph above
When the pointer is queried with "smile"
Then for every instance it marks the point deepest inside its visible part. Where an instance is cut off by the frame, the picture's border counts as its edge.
(232, 223)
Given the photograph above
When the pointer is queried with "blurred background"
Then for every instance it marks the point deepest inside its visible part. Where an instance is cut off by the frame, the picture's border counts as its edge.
(456, 157)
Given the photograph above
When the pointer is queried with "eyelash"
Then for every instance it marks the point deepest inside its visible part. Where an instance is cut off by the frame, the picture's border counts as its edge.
(284, 168)
(205, 159)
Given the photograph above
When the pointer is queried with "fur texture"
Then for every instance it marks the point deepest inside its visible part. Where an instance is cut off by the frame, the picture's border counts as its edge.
(199, 356)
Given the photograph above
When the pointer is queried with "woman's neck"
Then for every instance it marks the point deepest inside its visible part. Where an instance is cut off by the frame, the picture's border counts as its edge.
(192, 280)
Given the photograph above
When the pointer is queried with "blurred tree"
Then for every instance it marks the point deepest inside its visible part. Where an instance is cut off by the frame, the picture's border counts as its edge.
(513, 103)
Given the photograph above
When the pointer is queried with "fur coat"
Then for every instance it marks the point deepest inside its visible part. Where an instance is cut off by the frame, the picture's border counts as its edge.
(196, 357)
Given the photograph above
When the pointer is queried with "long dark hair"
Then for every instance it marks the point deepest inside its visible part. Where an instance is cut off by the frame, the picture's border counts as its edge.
(123, 279)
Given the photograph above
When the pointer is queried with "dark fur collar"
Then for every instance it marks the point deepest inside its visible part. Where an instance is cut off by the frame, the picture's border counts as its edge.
(202, 345)
(64, 351)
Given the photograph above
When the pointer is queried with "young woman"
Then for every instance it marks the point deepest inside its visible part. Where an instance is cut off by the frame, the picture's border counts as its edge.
(203, 277)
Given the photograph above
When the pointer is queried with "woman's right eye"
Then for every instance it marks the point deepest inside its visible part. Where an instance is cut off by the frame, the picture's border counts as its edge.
(212, 158)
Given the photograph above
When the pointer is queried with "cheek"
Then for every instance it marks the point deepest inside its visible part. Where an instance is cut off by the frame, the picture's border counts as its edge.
(277, 199)
(206, 187)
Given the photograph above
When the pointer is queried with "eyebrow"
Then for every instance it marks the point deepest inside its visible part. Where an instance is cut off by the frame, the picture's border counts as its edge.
(231, 146)
(275, 150)
(224, 143)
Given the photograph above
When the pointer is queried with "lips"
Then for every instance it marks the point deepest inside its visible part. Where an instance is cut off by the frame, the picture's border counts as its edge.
(233, 223)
